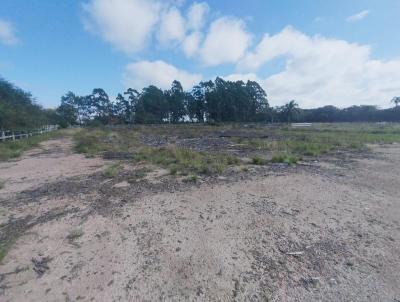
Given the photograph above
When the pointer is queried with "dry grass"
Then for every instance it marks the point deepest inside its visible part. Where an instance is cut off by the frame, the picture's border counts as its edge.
(263, 144)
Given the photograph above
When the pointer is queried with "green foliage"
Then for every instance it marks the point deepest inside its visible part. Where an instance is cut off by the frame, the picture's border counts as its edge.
(282, 144)
(289, 111)
(176, 102)
(191, 178)
(258, 160)
(181, 160)
(233, 101)
(3, 252)
(152, 106)
(284, 158)
(177, 160)
(112, 170)
(93, 141)
(67, 111)
(221, 101)
(13, 149)
(18, 109)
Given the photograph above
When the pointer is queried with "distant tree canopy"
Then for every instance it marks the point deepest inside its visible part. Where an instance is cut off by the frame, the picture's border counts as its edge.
(363, 113)
(219, 101)
(18, 109)
(209, 101)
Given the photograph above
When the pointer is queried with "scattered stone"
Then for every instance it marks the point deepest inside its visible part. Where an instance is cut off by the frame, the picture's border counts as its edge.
(296, 254)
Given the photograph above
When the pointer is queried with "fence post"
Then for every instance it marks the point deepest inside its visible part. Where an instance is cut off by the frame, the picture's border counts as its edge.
(21, 134)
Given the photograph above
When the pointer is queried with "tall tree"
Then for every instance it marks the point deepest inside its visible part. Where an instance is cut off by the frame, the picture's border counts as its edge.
(68, 111)
(133, 98)
(195, 104)
(102, 105)
(290, 110)
(396, 100)
(176, 102)
(152, 106)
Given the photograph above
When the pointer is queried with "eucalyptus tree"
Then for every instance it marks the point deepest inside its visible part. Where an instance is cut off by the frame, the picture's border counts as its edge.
(152, 106)
(103, 107)
(176, 102)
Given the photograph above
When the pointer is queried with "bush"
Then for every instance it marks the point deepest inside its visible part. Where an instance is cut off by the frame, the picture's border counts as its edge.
(284, 158)
(257, 160)
(112, 170)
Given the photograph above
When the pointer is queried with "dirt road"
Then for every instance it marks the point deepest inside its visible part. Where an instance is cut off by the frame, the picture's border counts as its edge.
(327, 231)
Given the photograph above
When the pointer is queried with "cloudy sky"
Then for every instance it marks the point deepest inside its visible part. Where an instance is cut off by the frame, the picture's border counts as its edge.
(341, 52)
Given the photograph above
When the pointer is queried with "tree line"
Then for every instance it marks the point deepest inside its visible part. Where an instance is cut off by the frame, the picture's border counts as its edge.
(216, 101)
(209, 101)
(19, 110)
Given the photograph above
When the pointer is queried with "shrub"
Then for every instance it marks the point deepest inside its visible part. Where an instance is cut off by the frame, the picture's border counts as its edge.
(257, 160)
(112, 170)
(284, 158)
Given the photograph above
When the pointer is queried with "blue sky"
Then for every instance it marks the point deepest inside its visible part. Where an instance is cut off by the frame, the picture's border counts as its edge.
(317, 52)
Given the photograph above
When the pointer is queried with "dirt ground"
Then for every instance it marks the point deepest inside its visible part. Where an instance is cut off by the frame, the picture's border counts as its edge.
(323, 231)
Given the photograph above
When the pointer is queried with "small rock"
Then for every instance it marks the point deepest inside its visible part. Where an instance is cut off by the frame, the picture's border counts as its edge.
(123, 184)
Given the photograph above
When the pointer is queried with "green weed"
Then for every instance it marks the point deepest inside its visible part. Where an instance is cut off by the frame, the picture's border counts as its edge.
(112, 170)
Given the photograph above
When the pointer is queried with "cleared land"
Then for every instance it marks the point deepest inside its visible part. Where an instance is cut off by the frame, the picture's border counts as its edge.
(214, 213)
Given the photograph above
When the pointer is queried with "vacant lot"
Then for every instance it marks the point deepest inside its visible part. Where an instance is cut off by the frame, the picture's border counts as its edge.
(203, 213)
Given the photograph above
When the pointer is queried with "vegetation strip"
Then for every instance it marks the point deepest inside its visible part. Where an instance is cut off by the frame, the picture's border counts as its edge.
(206, 149)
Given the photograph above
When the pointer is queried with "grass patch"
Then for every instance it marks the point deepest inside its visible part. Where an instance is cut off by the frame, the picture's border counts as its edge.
(323, 138)
(75, 235)
(282, 143)
(191, 178)
(14, 149)
(138, 175)
(185, 161)
(3, 252)
(258, 160)
(112, 170)
(96, 141)
(177, 160)
(284, 158)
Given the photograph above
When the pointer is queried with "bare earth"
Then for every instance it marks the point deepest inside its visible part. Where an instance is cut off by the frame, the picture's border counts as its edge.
(328, 231)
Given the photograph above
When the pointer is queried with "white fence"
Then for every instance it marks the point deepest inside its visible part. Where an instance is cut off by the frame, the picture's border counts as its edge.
(13, 135)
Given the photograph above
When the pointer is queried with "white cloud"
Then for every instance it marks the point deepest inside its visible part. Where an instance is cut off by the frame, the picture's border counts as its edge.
(190, 45)
(172, 27)
(7, 33)
(159, 73)
(321, 71)
(359, 16)
(242, 77)
(226, 42)
(129, 25)
(317, 71)
(196, 15)
(126, 24)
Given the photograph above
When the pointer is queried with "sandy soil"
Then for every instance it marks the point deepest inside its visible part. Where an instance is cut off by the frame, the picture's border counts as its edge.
(53, 161)
(329, 231)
